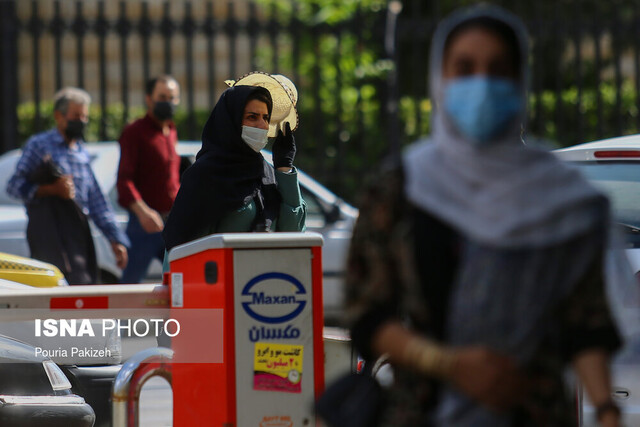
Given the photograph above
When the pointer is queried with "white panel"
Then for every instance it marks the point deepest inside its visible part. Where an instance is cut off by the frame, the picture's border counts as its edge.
(273, 313)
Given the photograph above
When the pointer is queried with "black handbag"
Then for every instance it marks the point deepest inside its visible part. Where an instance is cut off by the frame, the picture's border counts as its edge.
(355, 400)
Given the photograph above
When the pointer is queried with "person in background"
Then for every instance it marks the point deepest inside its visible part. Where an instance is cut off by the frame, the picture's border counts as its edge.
(476, 265)
(230, 187)
(55, 180)
(149, 175)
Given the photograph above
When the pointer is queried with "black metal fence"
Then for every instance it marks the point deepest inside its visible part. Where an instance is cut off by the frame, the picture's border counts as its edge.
(361, 93)
(585, 63)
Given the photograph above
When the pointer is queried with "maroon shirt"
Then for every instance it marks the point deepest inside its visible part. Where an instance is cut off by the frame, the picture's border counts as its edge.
(149, 165)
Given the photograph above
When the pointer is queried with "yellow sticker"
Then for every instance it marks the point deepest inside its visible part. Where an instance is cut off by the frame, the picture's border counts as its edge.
(277, 367)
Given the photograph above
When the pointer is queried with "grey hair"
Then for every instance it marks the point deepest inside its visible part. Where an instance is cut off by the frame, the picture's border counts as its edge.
(70, 94)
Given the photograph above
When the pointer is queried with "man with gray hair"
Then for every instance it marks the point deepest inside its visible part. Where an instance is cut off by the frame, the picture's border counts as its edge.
(55, 181)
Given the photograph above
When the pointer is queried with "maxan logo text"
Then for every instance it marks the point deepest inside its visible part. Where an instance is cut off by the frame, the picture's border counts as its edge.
(267, 305)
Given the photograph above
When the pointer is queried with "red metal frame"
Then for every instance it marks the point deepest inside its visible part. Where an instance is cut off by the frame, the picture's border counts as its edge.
(318, 320)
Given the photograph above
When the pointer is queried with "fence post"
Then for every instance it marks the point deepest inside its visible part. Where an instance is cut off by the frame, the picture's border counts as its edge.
(392, 108)
(8, 76)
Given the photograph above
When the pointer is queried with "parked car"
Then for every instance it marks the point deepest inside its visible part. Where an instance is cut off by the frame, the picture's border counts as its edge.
(30, 271)
(326, 214)
(35, 392)
(613, 166)
(88, 377)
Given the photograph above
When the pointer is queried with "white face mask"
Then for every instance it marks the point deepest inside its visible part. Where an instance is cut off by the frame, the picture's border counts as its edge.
(255, 138)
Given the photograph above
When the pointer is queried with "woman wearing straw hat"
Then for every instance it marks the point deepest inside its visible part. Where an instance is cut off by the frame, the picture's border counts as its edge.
(230, 187)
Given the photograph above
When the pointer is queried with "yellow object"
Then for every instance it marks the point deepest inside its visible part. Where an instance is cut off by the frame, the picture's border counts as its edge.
(277, 367)
(30, 272)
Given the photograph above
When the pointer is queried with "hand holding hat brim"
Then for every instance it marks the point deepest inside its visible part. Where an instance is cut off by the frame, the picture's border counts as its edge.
(284, 96)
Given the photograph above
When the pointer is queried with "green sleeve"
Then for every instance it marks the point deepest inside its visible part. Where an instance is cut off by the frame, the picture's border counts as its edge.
(238, 221)
(293, 210)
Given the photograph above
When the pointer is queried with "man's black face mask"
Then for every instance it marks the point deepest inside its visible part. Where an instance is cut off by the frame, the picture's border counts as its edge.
(75, 129)
(163, 110)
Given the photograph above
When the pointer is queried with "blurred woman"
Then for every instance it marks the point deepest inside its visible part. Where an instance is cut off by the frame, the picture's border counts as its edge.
(476, 265)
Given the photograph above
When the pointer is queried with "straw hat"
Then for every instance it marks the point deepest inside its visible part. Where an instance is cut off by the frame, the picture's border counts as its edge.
(283, 94)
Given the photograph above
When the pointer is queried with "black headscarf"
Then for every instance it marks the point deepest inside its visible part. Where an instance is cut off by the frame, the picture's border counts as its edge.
(227, 175)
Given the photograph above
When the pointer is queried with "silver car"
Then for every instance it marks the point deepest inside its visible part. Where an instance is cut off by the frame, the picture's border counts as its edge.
(613, 165)
(326, 214)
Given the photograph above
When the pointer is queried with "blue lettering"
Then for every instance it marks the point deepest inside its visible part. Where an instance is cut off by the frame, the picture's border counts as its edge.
(259, 298)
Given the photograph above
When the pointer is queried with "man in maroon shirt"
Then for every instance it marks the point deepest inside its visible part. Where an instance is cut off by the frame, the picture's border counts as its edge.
(149, 175)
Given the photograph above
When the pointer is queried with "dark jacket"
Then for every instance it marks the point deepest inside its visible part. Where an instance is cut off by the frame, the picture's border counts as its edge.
(58, 231)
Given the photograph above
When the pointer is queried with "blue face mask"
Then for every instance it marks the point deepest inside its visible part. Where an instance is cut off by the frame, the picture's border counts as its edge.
(482, 107)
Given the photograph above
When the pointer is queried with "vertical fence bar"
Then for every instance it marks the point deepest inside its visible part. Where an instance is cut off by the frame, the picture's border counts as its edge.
(616, 41)
(360, 127)
(391, 49)
(210, 32)
(417, 58)
(340, 134)
(636, 61)
(8, 76)
(102, 26)
(537, 68)
(79, 27)
(188, 28)
(57, 28)
(558, 51)
(294, 30)
(253, 30)
(432, 24)
(35, 28)
(145, 27)
(124, 28)
(231, 28)
(381, 84)
(167, 28)
(598, 67)
(273, 38)
(579, 75)
(318, 127)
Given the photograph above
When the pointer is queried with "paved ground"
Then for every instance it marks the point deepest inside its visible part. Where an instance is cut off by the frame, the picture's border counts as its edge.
(156, 399)
(156, 404)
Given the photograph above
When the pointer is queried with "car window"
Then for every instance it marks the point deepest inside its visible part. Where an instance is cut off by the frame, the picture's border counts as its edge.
(315, 213)
(620, 181)
(7, 168)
